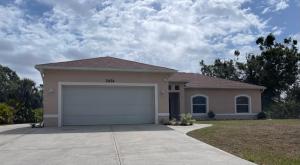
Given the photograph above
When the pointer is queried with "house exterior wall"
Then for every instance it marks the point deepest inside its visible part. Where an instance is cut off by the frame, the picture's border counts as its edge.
(51, 79)
(222, 102)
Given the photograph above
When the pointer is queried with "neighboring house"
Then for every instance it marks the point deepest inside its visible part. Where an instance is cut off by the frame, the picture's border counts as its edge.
(109, 90)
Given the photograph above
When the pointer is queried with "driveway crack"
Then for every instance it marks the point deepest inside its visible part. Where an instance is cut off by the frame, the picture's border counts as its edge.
(116, 145)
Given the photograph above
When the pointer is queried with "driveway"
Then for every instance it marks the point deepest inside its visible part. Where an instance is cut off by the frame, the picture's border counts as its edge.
(111, 145)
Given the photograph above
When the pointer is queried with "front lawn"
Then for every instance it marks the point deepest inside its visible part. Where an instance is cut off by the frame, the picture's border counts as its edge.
(267, 142)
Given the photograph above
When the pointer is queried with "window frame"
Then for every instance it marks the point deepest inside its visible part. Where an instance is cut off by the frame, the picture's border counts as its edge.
(192, 108)
(249, 104)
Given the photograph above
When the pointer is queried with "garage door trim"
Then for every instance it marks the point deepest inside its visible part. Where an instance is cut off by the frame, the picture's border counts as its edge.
(61, 84)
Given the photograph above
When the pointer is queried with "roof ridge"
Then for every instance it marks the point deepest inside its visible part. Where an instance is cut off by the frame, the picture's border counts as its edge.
(138, 62)
(104, 62)
(221, 79)
(89, 59)
(72, 60)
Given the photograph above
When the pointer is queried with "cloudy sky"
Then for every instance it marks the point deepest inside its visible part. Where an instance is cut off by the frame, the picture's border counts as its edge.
(176, 34)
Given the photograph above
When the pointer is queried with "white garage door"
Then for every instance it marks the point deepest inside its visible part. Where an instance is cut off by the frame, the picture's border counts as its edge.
(93, 105)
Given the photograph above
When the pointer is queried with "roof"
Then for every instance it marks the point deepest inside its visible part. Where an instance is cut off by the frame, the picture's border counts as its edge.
(195, 80)
(192, 80)
(104, 64)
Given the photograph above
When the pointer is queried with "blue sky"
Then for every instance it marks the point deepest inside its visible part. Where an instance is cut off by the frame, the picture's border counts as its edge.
(176, 34)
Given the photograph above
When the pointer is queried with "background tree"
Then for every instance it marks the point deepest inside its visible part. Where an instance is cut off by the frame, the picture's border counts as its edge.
(8, 83)
(22, 95)
(28, 98)
(222, 69)
(276, 67)
(294, 93)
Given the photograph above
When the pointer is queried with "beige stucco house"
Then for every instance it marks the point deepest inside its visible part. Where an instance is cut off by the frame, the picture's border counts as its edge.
(109, 90)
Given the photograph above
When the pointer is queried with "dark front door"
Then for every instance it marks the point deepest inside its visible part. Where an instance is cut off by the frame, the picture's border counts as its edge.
(174, 105)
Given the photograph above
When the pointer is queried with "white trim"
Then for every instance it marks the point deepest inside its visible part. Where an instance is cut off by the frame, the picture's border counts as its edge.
(163, 114)
(156, 101)
(249, 104)
(225, 114)
(50, 115)
(199, 114)
(60, 101)
(207, 105)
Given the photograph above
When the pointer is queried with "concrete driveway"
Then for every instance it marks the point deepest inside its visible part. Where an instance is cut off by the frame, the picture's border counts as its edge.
(111, 145)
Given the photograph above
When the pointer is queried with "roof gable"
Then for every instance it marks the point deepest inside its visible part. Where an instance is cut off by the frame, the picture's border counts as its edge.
(106, 64)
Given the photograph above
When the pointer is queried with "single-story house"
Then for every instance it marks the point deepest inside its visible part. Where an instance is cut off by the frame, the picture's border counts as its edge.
(109, 90)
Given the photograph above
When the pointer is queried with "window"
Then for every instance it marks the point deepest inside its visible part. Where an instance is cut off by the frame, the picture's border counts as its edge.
(242, 104)
(170, 87)
(199, 104)
(176, 87)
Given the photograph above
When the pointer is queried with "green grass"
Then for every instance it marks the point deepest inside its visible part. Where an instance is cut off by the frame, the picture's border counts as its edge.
(266, 142)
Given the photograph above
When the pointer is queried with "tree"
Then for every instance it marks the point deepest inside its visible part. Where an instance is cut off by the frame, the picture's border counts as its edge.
(28, 97)
(22, 95)
(276, 67)
(222, 69)
(6, 114)
(294, 93)
(8, 83)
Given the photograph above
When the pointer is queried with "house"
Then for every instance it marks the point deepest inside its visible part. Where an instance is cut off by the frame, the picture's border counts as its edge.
(109, 90)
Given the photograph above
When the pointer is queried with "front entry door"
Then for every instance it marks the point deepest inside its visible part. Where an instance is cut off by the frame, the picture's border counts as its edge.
(174, 109)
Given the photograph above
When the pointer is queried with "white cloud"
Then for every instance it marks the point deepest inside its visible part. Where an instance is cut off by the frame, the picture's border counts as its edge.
(243, 39)
(176, 34)
(277, 31)
(275, 5)
(281, 5)
(266, 10)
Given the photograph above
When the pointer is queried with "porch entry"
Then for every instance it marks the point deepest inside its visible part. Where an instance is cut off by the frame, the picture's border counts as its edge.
(174, 105)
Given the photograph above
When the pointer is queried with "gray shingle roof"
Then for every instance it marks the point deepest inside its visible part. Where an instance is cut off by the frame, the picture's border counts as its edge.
(194, 80)
(105, 63)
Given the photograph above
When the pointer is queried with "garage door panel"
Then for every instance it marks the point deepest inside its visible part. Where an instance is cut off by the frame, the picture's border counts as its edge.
(94, 120)
(111, 95)
(114, 110)
(89, 105)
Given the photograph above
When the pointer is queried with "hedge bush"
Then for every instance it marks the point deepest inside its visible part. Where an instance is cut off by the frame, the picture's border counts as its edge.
(284, 110)
(186, 119)
(38, 115)
(211, 115)
(6, 114)
(261, 115)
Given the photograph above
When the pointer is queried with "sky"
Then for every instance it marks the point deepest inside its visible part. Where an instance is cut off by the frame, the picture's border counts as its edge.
(176, 34)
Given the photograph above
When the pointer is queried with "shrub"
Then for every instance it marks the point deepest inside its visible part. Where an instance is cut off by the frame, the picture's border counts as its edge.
(24, 115)
(284, 110)
(211, 115)
(186, 119)
(173, 121)
(38, 115)
(6, 114)
(261, 115)
(170, 122)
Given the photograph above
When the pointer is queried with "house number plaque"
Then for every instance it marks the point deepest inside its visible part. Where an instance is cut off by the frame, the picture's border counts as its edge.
(110, 80)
